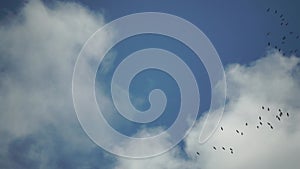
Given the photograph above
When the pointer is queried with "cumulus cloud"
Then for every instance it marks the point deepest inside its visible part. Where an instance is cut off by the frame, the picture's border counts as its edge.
(272, 81)
(38, 49)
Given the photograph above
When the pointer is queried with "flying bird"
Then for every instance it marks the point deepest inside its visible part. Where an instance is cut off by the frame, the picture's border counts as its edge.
(242, 133)
(287, 114)
(198, 153)
(214, 148)
(268, 107)
(268, 9)
(246, 124)
(263, 106)
(257, 127)
(260, 123)
(259, 117)
(284, 37)
(237, 131)
(280, 114)
(223, 148)
(222, 128)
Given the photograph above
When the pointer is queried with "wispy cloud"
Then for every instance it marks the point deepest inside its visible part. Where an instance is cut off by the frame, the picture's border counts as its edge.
(272, 81)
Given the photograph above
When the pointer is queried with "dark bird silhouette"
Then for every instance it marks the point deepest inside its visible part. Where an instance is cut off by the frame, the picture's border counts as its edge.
(242, 133)
(287, 114)
(282, 19)
(275, 11)
(237, 131)
(281, 15)
(230, 149)
(291, 33)
(278, 118)
(279, 49)
(269, 43)
(214, 148)
(257, 127)
(222, 128)
(287, 24)
(275, 48)
(280, 114)
(231, 152)
(268, 33)
(269, 123)
(246, 124)
(223, 148)
(297, 37)
(260, 123)
(262, 107)
(279, 110)
(259, 117)
(268, 107)
(271, 127)
(281, 23)
(198, 153)
(284, 37)
(268, 9)
(283, 54)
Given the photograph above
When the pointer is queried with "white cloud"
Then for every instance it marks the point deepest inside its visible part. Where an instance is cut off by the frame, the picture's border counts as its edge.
(38, 50)
(272, 81)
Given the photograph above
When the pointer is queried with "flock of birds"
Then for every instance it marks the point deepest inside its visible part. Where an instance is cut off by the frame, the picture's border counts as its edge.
(288, 35)
(279, 115)
(280, 46)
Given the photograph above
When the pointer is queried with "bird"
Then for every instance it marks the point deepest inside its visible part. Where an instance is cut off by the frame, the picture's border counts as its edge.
(268, 33)
(269, 123)
(281, 15)
(263, 106)
(291, 32)
(198, 153)
(278, 117)
(268, 9)
(287, 114)
(275, 48)
(279, 110)
(297, 37)
(222, 128)
(275, 11)
(280, 114)
(257, 127)
(237, 131)
(259, 117)
(242, 133)
(223, 148)
(284, 37)
(230, 149)
(271, 127)
(279, 49)
(281, 23)
(269, 43)
(214, 148)
(268, 107)
(231, 152)
(246, 124)
(286, 24)
(260, 123)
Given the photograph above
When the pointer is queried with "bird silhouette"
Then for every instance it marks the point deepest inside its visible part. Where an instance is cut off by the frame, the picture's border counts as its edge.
(287, 114)
(260, 123)
(222, 128)
(223, 148)
(259, 117)
(237, 131)
(198, 153)
(262, 107)
(268, 107)
(246, 124)
(214, 148)
(268, 9)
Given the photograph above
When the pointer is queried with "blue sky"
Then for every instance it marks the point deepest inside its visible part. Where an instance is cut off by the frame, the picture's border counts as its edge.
(38, 49)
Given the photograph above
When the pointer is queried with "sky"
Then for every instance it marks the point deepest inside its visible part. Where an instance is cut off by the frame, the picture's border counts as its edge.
(39, 122)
